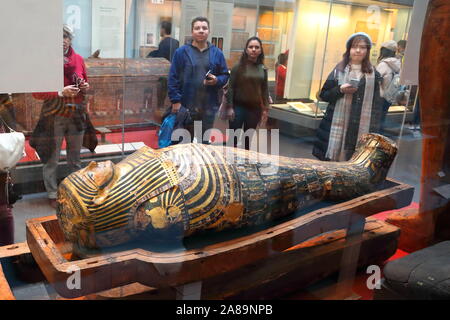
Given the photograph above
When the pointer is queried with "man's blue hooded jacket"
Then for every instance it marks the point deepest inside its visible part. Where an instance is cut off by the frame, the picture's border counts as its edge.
(181, 87)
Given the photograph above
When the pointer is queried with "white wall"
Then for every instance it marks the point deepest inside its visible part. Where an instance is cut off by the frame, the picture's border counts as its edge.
(31, 55)
(308, 32)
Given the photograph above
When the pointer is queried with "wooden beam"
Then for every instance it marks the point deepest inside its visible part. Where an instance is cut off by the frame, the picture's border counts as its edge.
(5, 290)
(15, 249)
(173, 269)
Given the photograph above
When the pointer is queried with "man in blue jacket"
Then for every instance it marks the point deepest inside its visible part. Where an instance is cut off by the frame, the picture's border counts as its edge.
(197, 73)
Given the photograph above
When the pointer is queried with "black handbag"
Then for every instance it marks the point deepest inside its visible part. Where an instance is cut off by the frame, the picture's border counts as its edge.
(11, 191)
(90, 140)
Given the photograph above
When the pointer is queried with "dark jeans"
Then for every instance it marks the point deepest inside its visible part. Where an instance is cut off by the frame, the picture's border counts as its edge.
(248, 118)
(386, 105)
(207, 118)
(6, 217)
(6, 225)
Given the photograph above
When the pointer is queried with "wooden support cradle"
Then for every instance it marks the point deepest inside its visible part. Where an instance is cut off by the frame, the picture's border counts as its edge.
(177, 269)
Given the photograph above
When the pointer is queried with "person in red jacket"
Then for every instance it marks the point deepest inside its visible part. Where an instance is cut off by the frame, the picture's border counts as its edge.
(281, 75)
(63, 116)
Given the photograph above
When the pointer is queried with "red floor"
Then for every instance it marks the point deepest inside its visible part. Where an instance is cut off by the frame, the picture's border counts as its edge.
(360, 286)
(149, 137)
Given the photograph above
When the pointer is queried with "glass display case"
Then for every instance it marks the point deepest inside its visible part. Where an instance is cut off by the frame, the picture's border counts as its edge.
(317, 44)
(271, 230)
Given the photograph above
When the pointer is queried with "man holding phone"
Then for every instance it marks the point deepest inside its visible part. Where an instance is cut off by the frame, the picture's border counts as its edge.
(197, 73)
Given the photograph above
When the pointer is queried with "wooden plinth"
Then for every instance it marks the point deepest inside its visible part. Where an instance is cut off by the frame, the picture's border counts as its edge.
(176, 269)
(5, 291)
(302, 265)
(417, 230)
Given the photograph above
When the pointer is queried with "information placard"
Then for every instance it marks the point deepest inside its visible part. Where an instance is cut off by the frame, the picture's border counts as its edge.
(221, 21)
(108, 23)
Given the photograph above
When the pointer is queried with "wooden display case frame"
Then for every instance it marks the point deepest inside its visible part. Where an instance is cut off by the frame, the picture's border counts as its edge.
(180, 269)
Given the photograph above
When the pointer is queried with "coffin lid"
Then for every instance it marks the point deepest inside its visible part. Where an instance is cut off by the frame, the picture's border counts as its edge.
(129, 67)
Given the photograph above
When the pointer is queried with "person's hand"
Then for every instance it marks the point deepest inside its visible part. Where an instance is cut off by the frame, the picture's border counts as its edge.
(176, 107)
(84, 86)
(210, 81)
(347, 88)
(264, 116)
(232, 115)
(70, 91)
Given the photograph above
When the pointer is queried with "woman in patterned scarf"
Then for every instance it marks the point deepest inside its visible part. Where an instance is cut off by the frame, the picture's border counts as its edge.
(63, 116)
(353, 92)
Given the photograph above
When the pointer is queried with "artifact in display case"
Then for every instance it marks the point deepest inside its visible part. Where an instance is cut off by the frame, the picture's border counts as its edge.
(142, 80)
(397, 109)
(310, 109)
(185, 189)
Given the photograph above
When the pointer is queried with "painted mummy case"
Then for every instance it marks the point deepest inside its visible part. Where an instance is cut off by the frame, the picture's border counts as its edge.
(195, 187)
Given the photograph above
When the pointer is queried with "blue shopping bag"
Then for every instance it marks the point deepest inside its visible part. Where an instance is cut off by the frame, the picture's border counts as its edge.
(166, 129)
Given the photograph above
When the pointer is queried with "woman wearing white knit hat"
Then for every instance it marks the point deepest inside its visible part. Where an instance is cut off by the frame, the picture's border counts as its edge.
(353, 93)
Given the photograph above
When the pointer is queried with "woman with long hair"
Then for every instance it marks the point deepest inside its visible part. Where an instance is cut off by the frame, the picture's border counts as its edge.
(388, 65)
(248, 90)
(353, 92)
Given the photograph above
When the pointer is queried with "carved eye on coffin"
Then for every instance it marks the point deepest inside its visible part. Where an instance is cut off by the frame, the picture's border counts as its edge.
(100, 173)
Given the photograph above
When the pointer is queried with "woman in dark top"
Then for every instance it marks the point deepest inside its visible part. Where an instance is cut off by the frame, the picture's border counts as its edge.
(353, 92)
(248, 90)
